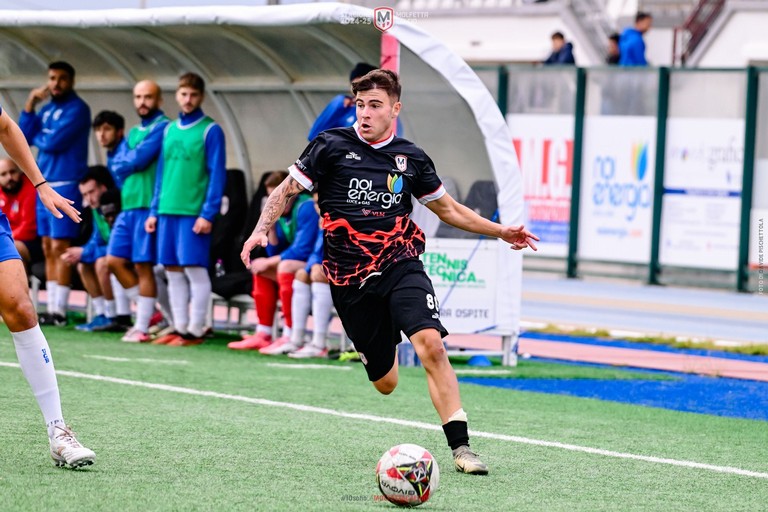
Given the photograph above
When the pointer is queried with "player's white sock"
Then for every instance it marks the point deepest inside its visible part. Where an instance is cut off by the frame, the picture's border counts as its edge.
(163, 302)
(145, 307)
(287, 332)
(37, 366)
(200, 288)
(50, 289)
(133, 294)
(62, 299)
(109, 308)
(321, 312)
(99, 304)
(122, 302)
(178, 294)
(266, 329)
(459, 415)
(300, 304)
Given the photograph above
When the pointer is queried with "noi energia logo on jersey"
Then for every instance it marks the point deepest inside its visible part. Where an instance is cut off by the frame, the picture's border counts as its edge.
(361, 191)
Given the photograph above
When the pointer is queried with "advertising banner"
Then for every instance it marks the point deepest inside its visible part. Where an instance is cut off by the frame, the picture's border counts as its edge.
(617, 176)
(701, 209)
(544, 147)
(464, 275)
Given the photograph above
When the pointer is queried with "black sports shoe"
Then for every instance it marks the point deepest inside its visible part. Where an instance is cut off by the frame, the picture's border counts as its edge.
(52, 319)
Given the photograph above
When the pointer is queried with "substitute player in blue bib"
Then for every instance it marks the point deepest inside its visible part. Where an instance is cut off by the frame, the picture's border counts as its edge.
(19, 315)
(60, 132)
(190, 184)
(366, 176)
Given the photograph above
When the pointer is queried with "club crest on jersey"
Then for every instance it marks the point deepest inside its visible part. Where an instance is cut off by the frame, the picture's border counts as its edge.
(353, 156)
(402, 162)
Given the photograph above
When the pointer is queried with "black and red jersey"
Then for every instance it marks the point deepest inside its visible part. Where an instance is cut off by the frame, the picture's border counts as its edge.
(365, 200)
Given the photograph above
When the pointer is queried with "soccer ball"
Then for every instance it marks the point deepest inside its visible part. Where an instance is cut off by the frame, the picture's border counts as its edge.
(407, 475)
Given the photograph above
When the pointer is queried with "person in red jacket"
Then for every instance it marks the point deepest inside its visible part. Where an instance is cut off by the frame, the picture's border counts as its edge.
(17, 201)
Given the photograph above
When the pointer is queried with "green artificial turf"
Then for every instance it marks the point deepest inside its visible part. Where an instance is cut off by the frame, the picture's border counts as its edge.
(162, 449)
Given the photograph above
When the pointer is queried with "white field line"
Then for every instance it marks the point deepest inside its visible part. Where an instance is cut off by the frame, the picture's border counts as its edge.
(471, 371)
(136, 360)
(406, 423)
(309, 366)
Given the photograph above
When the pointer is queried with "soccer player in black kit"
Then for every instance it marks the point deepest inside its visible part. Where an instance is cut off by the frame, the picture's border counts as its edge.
(366, 177)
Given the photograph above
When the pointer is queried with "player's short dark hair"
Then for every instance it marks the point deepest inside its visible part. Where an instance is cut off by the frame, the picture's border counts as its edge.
(383, 79)
(100, 174)
(109, 117)
(193, 81)
(275, 178)
(640, 16)
(63, 66)
(614, 37)
(558, 35)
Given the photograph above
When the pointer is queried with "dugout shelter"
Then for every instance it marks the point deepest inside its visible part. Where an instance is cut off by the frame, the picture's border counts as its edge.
(269, 71)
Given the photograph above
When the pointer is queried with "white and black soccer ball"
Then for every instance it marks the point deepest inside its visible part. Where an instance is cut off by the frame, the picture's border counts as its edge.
(407, 475)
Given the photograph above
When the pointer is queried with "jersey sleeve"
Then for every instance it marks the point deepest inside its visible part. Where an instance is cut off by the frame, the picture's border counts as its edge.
(308, 167)
(428, 186)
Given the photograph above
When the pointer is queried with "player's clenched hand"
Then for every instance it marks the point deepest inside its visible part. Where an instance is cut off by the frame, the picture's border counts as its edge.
(519, 237)
(256, 239)
(202, 226)
(57, 204)
(150, 225)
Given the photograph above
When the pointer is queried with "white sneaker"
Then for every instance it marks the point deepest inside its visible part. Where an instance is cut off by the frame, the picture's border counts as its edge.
(280, 346)
(136, 336)
(308, 351)
(67, 451)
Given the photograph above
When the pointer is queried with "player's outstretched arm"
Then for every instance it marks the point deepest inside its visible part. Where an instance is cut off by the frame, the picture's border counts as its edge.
(14, 143)
(459, 216)
(272, 210)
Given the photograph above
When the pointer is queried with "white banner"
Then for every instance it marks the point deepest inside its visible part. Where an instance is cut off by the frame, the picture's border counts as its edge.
(544, 147)
(757, 239)
(701, 209)
(617, 188)
(463, 273)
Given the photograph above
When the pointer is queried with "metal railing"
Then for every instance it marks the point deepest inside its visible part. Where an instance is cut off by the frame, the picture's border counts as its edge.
(688, 36)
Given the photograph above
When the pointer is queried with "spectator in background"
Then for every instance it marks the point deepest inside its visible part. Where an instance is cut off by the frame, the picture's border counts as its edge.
(290, 245)
(631, 43)
(17, 201)
(60, 132)
(191, 175)
(91, 259)
(132, 251)
(562, 52)
(612, 58)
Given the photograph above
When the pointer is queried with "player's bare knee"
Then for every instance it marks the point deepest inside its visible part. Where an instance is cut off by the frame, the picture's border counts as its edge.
(385, 386)
(58, 246)
(19, 315)
(302, 275)
(433, 353)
